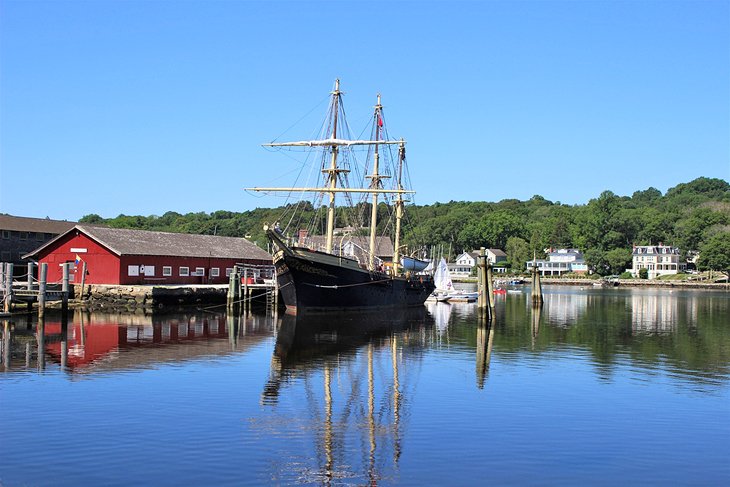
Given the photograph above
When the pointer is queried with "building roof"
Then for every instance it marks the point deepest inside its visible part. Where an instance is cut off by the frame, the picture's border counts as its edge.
(124, 241)
(26, 224)
(383, 245)
(495, 252)
(655, 249)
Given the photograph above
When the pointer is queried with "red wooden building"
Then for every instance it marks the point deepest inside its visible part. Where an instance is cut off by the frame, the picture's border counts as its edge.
(124, 256)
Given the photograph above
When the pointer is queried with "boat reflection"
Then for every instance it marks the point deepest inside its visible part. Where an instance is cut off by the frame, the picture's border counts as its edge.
(352, 420)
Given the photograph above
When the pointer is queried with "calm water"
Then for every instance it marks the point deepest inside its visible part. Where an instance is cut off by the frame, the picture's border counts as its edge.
(601, 387)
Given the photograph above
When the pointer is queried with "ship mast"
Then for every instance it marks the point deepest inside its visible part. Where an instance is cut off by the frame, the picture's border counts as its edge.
(375, 183)
(399, 207)
(333, 172)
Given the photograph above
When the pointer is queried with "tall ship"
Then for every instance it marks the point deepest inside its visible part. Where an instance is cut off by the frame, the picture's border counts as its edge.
(342, 270)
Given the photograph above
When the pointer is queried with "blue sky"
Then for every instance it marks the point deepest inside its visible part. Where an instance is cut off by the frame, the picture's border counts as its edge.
(141, 107)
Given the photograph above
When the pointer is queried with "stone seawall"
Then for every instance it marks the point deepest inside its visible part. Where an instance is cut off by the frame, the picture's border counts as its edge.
(98, 296)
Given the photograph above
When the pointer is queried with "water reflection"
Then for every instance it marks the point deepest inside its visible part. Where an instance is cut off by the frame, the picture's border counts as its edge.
(654, 313)
(364, 399)
(360, 433)
(91, 342)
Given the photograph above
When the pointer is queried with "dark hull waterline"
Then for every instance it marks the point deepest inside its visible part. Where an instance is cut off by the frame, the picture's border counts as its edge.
(308, 285)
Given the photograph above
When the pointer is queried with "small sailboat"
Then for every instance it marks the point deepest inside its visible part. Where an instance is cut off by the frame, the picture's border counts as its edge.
(329, 278)
(445, 291)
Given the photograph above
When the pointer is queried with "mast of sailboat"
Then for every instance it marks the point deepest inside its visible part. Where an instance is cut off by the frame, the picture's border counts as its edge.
(375, 184)
(399, 207)
(332, 172)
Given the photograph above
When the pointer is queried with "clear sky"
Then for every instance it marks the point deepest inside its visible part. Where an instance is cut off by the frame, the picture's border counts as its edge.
(141, 107)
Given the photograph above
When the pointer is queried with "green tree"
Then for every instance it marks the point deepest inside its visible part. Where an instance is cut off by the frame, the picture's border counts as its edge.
(597, 261)
(518, 253)
(618, 260)
(715, 254)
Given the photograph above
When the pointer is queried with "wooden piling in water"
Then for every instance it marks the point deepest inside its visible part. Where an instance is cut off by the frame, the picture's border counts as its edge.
(231, 298)
(482, 288)
(64, 289)
(536, 287)
(8, 287)
(246, 292)
(29, 285)
(42, 273)
(83, 280)
(490, 284)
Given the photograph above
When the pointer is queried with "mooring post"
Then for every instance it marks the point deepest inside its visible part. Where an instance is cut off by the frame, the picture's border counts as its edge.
(83, 280)
(2, 283)
(231, 281)
(42, 273)
(276, 292)
(29, 286)
(481, 280)
(64, 290)
(8, 287)
(536, 287)
(490, 284)
(246, 300)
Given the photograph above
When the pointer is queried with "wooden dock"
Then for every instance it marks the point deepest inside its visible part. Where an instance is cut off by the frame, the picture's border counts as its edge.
(35, 294)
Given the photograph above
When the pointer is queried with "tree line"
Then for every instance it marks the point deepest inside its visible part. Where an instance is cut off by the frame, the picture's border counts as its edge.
(693, 216)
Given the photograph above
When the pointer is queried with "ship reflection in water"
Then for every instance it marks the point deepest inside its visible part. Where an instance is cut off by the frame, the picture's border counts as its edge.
(612, 379)
(351, 367)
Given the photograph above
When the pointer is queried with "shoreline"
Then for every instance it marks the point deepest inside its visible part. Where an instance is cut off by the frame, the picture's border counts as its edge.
(722, 286)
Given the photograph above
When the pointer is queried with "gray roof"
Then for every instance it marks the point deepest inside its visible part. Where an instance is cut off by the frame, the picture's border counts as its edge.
(26, 224)
(495, 252)
(383, 245)
(124, 241)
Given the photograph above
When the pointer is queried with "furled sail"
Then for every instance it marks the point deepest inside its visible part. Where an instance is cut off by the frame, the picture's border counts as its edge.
(329, 142)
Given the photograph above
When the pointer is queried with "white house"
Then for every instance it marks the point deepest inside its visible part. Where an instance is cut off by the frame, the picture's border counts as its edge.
(559, 262)
(464, 263)
(657, 260)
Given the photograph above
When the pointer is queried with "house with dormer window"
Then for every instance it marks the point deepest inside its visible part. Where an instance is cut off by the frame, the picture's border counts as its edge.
(464, 263)
(658, 260)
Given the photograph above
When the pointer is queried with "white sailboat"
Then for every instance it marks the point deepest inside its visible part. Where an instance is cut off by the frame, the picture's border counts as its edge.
(445, 291)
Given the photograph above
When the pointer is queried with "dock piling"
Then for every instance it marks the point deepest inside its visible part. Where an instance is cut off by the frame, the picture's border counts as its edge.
(42, 273)
(536, 287)
(8, 286)
(64, 289)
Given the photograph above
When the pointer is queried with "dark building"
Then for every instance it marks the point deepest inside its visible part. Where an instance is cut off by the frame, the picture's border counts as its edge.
(20, 235)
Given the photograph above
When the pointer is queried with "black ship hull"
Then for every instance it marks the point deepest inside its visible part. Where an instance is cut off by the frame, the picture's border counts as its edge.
(313, 281)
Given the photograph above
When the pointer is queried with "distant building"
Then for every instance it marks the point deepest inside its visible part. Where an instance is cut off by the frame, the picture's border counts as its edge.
(353, 246)
(124, 256)
(559, 262)
(20, 235)
(464, 263)
(658, 260)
